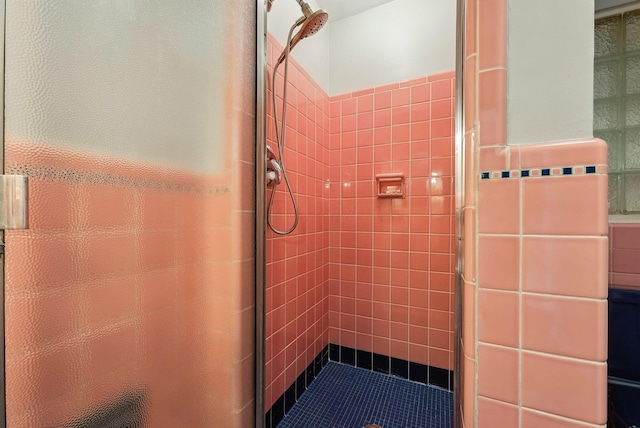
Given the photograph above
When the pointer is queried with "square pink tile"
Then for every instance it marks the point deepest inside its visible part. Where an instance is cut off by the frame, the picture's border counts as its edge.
(469, 391)
(564, 326)
(566, 205)
(494, 414)
(469, 320)
(584, 153)
(535, 419)
(498, 373)
(498, 317)
(569, 388)
(499, 262)
(492, 33)
(493, 158)
(565, 266)
(492, 103)
(499, 206)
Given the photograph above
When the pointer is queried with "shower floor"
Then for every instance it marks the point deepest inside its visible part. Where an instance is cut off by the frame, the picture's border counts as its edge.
(343, 396)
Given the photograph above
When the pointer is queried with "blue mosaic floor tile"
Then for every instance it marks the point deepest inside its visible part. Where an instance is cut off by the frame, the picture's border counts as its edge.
(343, 396)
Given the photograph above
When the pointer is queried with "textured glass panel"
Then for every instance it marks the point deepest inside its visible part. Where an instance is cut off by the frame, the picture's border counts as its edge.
(134, 121)
(632, 192)
(633, 75)
(613, 145)
(605, 80)
(632, 149)
(632, 112)
(605, 115)
(155, 61)
(613, 193)
(632, 30)
(606, 36)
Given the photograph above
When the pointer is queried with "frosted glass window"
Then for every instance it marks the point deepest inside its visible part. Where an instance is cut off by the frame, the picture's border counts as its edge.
(632, 28)
(605, 115)
(632, 149)
(616, 110)
(606, 74)
(606, 34)
(613, 190)
(613, 142)
(632, 192)
(633, 75)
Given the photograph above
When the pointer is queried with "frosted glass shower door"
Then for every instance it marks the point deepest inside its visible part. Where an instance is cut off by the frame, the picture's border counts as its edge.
(126, 299)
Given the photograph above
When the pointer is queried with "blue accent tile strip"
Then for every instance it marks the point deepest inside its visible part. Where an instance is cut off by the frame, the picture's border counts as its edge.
(541, 172)
(394, 366)
(349, 397)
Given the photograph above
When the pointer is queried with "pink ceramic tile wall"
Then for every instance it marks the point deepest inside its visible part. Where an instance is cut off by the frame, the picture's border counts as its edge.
(545, 271)
(121, 285)
(535, 251)
(297, 299)
(624, 255)
(392, 260)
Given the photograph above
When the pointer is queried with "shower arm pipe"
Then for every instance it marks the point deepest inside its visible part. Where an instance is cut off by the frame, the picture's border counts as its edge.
(306, 9)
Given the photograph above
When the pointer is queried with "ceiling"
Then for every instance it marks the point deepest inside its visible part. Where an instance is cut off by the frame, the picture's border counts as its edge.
(339, 9)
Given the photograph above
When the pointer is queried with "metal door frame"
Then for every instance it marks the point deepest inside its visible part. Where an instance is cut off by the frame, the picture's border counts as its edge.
(3, 409)
(260, 221)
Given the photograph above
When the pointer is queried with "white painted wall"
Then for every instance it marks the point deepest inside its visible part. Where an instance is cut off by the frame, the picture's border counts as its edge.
(313, 52)
(397, 41)
(550, 70)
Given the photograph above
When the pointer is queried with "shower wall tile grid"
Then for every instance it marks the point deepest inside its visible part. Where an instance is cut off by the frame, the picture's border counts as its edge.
(297, 290)
(392, 260)
(535, 257)
(384, 267)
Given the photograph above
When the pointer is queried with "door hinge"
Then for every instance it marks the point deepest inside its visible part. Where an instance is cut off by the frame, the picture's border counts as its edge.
(14, 202)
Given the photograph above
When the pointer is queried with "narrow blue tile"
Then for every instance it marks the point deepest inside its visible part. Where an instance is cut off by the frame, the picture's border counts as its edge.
(485, 175)
(505, 174)
(567, 171)
(591, 170)
(524, 173)
(546, 171)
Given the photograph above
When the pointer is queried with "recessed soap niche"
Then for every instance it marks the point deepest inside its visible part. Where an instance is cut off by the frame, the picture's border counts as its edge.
(391, 185)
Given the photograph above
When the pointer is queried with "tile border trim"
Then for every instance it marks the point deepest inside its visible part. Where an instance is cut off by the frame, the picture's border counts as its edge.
(560, 171)
(409, 370)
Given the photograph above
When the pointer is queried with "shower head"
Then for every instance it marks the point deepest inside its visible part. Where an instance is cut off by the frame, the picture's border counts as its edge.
(311, 23)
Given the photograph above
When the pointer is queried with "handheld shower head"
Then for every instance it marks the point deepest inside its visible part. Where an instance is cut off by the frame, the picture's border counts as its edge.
(311, 24)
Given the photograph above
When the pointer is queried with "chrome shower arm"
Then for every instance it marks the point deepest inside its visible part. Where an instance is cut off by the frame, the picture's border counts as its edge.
(306, 9)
